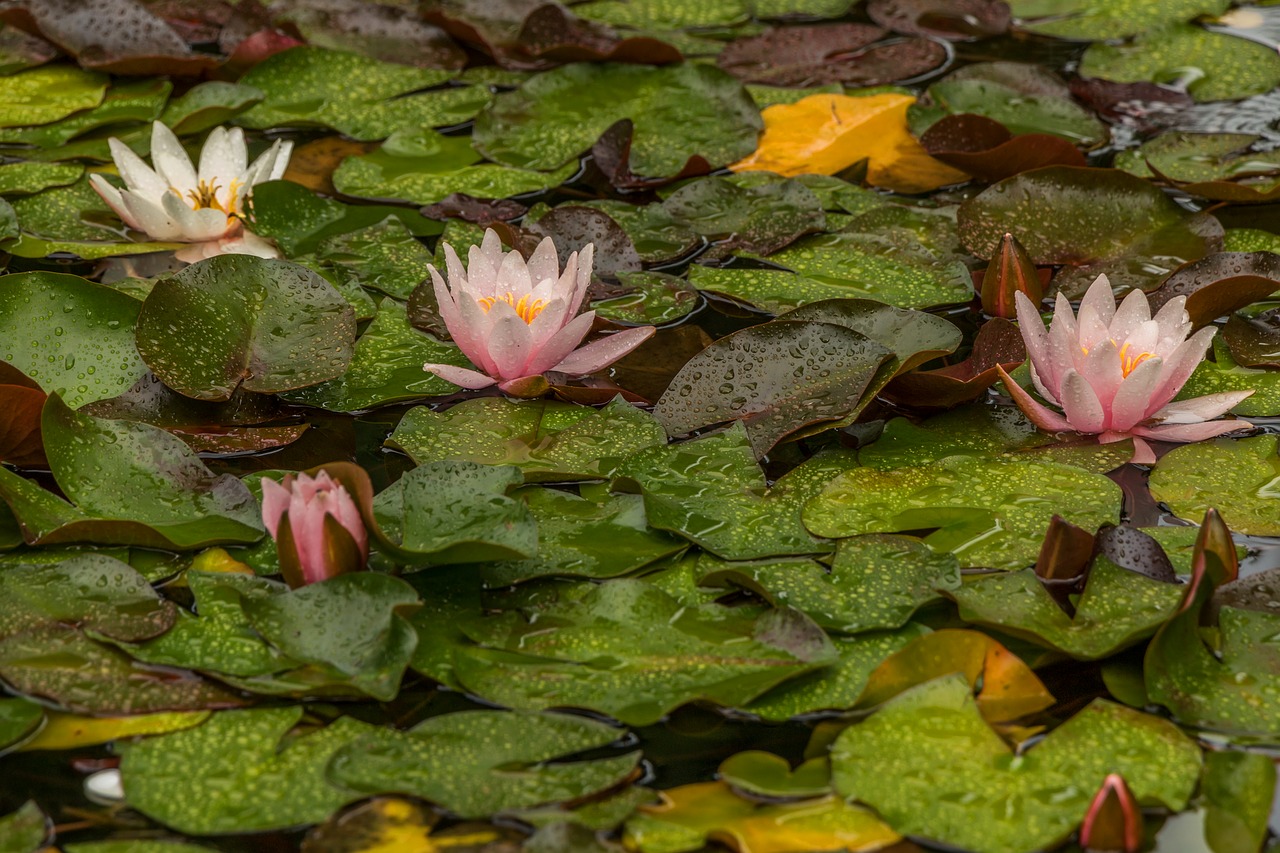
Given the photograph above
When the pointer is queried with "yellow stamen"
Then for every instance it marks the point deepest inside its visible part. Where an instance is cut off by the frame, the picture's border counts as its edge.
(1129, 363)
(526, 309)
(206, 196)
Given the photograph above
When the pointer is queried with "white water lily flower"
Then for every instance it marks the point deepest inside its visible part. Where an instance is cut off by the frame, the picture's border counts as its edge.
(176, 202)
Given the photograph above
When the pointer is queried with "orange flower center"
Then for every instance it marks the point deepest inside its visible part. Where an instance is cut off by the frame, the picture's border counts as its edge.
(206, 196)
(526, 309)
(1129, 361)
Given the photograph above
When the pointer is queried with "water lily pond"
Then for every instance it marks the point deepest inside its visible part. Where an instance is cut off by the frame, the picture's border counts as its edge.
(768, 426)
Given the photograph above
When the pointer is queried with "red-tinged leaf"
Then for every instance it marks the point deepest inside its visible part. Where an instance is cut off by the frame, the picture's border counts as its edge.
(819, 54)
(256, 48)
(1221, 284)
(476, 210)
(998, 343)
(987, 150)
(1114, 820)
(1143, 106)
(954, 20)
(1215, 553)
(1063, 562)
(20, 441)
(1010, 271)
(611, 155)
(1130, 548)
(1254, 341)
(237, 440)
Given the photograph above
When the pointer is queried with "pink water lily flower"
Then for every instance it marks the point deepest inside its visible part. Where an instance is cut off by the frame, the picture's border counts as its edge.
(516, 321)
(314, 548)
(1114, 371)
(176, 202)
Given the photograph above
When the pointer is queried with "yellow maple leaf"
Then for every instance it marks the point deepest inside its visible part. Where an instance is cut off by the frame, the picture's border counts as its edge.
(825, 134)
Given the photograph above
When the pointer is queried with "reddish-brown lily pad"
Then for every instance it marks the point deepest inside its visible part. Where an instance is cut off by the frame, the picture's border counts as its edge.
(818, 54)
(1221, 283)
(998, 343)
(987, 150)
(954, 20)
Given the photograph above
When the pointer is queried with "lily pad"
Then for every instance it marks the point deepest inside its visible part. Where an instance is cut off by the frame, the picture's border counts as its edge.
(359, 96)
(241, 771)
(424, 167)
(74, 219)
(27, 178)
(42, 95)
(1227, 68)
(631, 651)
(24, 830)
(987, 512)
(478, 763)
(680, 112)
(128, 484)
(240, 322)
(775, 379)
(1117, 609)
(712, 492)
(19, 720)
(386, 367)
(1237, 477)
(1224, 374)
(597, 536)
(1020, 102)
(874, 582)
(545, 439)
(928, 763)
(653, 298)
(73, 337)
(1080, 19)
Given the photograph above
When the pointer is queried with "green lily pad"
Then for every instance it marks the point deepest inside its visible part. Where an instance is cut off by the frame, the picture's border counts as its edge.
(206, 105)
(1117, 609)
(631, 651)
(1223, 373)
(24, 830)
(1093, 219)
(712, 492)
(386, 367)
(385, 257)
(774, 379)
(479, 763)
(359, 96)
(1081, 19)
(136, 845)
(59, 665)
(654, 299)
(128, 484)
(424, 167)
(27, 178)
(983, 431)
(928, 763)
(839, 686)
(240, 773)
(1237, 788)
(1226, 67)
(456, 512)
(239, 322)
(300, 221)
(595, 537)
(134, 101)
(354, 623)
(1197, 157)
(545, 439)
(667, 14)
(760, 218)
(988, 512)
(764, 774)
(658, 236)
(19, 719)
(73, 337)
(874, 582)
(1239, 478)
(1250, 240)
(1019, 110)
(678, 111)
(42, 95)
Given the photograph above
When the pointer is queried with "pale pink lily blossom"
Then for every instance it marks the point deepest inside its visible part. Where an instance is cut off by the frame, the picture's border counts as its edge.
(516, 321)
(304, 502)
(1114, 371)
(180, 203)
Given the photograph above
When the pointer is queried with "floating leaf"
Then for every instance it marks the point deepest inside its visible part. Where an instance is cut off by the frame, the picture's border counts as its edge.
(652, 298)
(1224, 374)
(764, 774)
(679, 112)
(1079, 19)
(1227, 67)
(949, 19)
(1237, 788)
(19, 720)
(826, 134)
(239, 772)
(928, 763)
(236, 321)
(24, 830)
(631, 651)
(711, 491)
(478, 763)
(359, 96)
(73, 337)
(300, 221)
(42, 95)
(545, 439)
(1117, 609)
(1238, 477)
(989, 512)
(691, 815)
(817, 54)
(26, 178)
(1221, 283)
(74, 731)
(985, 149)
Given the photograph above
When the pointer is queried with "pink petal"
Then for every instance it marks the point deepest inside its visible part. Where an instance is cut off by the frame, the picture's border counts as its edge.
(1134, 310)
(1034, 334)
(1093, 330)
(1191, 432)
(461, 332)
(1080, 405)
(1203, 408)
(1179, 366)
(548, 322)
(559, 345)
(510, 344)
(1045, 418)
(480, 323)
(1132, 402)
(1174, 323)
(1100, 299)
(457, 272)
(513, 276)
(1142, 452)
(544, 263)
(198, 225)
(604, 352)
(1101, 369)
(275, 500)
(460, 376)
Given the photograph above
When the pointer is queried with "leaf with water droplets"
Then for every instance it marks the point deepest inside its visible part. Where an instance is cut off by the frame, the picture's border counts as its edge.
(238, 321)
(1240, 478)
(929, 764)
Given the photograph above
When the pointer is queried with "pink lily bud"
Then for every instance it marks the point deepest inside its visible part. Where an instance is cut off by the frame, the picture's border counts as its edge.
(317, 527)
(1114, 820)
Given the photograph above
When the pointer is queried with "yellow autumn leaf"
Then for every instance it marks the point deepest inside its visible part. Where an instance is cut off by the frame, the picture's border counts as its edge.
(72, 731)
(825, 134)
(394, 825)
(218, 560)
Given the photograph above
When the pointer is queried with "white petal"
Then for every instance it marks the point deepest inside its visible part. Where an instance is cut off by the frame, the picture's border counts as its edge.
(139, 178)
(171, 161)
(151, 218)
(114, 200)
(198, 225)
